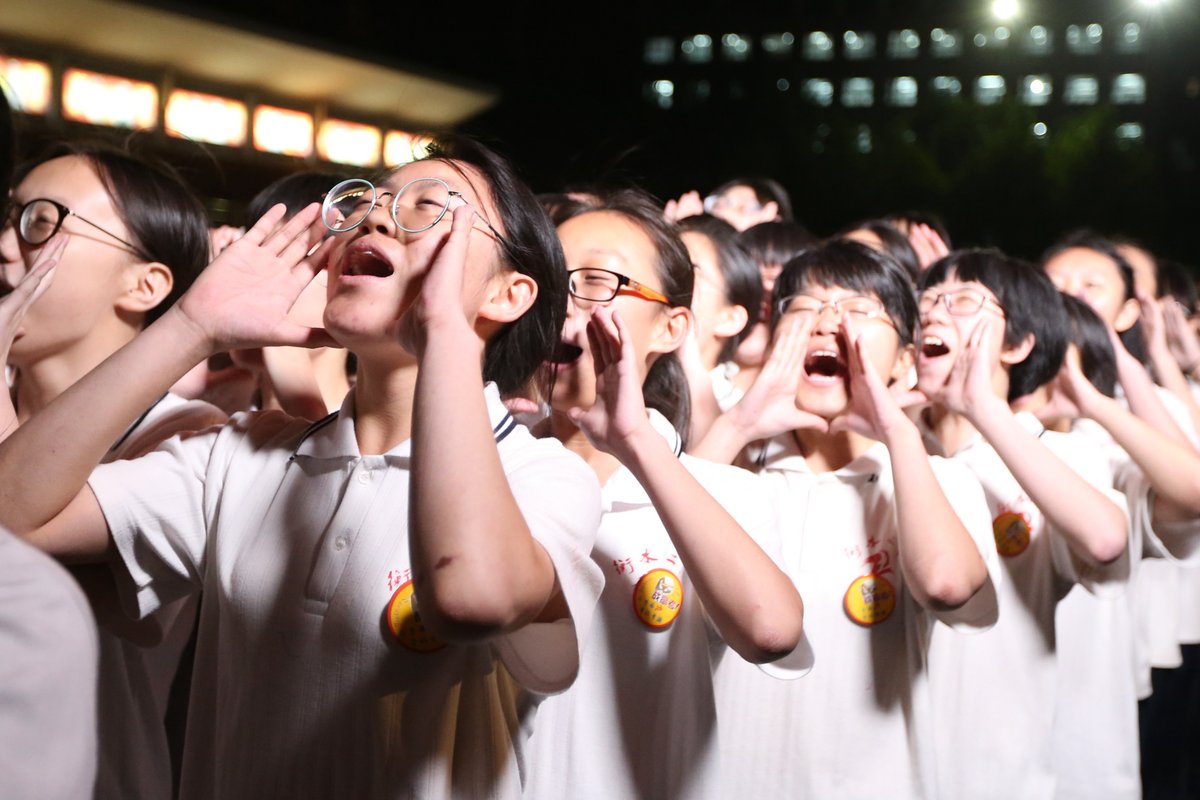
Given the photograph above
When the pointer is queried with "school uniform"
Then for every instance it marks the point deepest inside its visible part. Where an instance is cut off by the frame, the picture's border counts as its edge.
(995, 693)
(726, 392)
(48, 654)
(855, 721)
(313, 675)
(641, 720)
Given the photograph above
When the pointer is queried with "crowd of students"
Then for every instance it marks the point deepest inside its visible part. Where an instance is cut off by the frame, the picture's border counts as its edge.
(423, 486)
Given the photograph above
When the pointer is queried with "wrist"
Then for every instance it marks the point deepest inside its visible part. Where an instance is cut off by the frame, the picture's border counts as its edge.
(188, 334)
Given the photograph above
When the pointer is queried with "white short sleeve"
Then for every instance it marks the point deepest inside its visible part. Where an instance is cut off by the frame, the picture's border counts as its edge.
(966, 497)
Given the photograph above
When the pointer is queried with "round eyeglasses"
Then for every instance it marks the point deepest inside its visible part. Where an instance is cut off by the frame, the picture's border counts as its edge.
(858, 306)
(416, 206)
(957, 302)
(38, 220)
(591, 285)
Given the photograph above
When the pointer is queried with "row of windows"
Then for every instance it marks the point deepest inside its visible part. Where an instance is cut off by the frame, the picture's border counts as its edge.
(1126, 133)
(902, 44)
(902, 92)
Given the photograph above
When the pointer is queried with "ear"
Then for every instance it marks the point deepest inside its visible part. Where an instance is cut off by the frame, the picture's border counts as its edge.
(902, 369)
(1131, 309)
(730, 321)
(770, 211)
(509, 295)
(149, 284)
(671, 329)
(1018, 352)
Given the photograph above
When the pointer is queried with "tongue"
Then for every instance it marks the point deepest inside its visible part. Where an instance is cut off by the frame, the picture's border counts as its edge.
(934, 349)
(368, 264)
(824, 365)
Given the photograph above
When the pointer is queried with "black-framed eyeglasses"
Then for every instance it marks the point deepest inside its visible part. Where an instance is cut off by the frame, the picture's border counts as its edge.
(592, 285)
(38, 220)
(965, 302)
(415, 207)
(858, 306)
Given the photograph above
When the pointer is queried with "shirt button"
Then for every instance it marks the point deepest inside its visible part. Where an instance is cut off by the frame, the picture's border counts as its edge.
(339, 543)
(364, 476)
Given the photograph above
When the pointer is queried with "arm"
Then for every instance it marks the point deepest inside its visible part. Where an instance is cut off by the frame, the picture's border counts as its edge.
(240, 300)
(463, 518)
(1166, 368)
(753, 604)
(1140, 393)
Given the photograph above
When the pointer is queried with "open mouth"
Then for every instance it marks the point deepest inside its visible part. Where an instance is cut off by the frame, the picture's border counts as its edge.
(366, 262)
(933, 346)
(824, 364)
(565, 353)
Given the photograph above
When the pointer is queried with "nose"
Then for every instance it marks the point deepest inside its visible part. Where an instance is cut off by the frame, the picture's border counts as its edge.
(10, 246)
(379, 218)
(829, 318)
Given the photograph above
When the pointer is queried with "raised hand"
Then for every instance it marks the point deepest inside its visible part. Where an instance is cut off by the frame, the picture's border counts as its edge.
(876, 409)
(618, 413)
(1153, 325)
(968, 389)
(769, 406)
(243, 297)
(1071, 393)
(15, 304)
(927, 244)
(689, 204)
(1181, 337)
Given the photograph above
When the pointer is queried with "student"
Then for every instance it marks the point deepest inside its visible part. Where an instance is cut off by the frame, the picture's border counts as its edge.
(123, 238)
(742, 202)
(884, 237)
(992, 329)
(880, 540)
(317, 543)
(680, 542)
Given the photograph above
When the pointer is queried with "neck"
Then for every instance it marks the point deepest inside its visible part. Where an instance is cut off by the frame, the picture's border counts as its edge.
(572, 438)
(827, 452)
(954, 431)
(383, 406)
(329, 368)
(710, 353)
(37, 384)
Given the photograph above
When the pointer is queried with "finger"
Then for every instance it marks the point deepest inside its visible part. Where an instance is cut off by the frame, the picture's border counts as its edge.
(522, 405)
(316, 260)
(294, 334)
(623, 338)
(575, 414)
(599, 361)
(453, 254)
(610, 336)
(295, 239)
(266, 224)
(911, 398)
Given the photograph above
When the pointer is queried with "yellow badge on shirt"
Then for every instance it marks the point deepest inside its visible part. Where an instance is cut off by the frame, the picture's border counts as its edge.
(405, 622)
(658, 598)
(870, 600)
(1011, 530)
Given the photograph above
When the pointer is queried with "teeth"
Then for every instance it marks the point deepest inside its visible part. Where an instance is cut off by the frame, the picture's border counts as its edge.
(933, 341)
(823, 354)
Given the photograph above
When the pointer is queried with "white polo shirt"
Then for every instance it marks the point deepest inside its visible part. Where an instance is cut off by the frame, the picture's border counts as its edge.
(48, 654)
(135, 681)
(301, 688)
(995, 693)
(641, 720)
(859, 724)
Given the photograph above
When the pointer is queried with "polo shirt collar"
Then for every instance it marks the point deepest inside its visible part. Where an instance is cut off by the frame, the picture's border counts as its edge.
(782, 454)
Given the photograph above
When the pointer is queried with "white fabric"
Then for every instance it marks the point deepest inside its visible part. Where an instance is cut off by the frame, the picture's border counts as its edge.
(994, 694)
(299, 688)
(726, 392)
(859, 723)
(48, 656)
(640, 720)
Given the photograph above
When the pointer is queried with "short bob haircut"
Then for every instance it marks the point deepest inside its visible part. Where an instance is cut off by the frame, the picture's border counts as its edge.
(766, 190)
(530, 246)
(165, 221)
(1031, 303)
(776, 243)
(295, 191)
(743, 285)
(895, 243)
(854, 266)
(1089, 333)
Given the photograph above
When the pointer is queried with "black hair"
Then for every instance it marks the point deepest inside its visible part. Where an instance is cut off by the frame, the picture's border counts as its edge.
(743, 286)
(561, 206)
(765, 191)
(1175, 281)
(295, 191)
(911, 218)
(776, 242)
(1090, 335)
(666, 387)
(854, 266)
(1031, 303)
(530, 246)
(165, 221)
(895, 243)
(7, 154)
(1132, 337)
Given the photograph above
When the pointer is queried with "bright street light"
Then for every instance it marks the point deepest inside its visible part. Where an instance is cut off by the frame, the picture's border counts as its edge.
(1007, 9)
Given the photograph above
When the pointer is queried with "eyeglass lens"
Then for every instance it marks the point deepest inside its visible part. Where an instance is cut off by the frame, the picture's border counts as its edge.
(40, 220)
(418, 206)
(596, 285)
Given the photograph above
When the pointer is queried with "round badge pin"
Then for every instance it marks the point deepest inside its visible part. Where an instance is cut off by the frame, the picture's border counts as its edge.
(405, 623)
(1011, 531)
(870, 600)
(658, 598)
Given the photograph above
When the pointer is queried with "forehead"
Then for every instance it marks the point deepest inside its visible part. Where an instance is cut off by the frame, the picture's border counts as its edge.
(832, 292)
(1082, 260)
(460, 177)
(701, 250)
(608, 240)
(953, 283)
(742, 195)
(66, 176)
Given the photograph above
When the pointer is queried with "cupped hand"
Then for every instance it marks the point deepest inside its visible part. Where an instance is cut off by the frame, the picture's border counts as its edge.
(927, 244)
(876, 409)
(1181, 337)
(968, 389)
(689, 204)
(15, 304)
(769, 405)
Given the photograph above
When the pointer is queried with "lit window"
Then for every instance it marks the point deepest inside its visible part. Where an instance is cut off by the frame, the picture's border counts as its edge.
(903, 92)
(858, 92)
(659, 50)
(109, 100)
(1129, 132)
(778, 45)
(904, 44)
(283, 131)
(1036, 41)
(989, 89)
(697, 49)
(862, 139)
(1084, 40)
(1036, 90)
(28, 84)
(993, 38)
(401, 147)
(735, 47)
(206, 118)
(1040, 130)
(858, 46)
(661, 93)
(944, 43)
(818, 91)
(947, 85)
(1130, 40)
(1128, 89)
(349, 143)
(818, 46)
(1081, 90)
